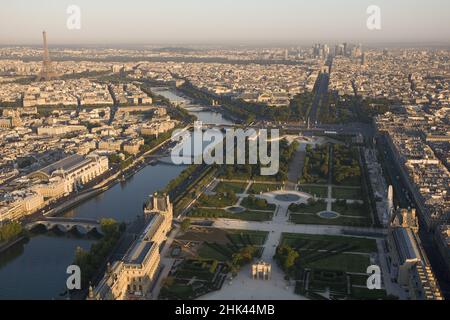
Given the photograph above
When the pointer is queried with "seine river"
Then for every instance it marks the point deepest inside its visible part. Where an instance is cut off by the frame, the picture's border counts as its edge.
(37, 269)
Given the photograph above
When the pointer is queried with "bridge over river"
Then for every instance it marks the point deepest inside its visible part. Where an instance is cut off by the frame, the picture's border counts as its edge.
(67, 224)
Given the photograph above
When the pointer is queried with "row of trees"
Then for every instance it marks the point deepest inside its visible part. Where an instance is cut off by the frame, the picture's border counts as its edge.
(250, 171)
(287, 258)
(346, 167)
(185, 174)
(90, 262)
(244, 255)
(251, 202)
(247, 111)
(349, 108)
(123, 163)
(151, 142)
(300, 106)
(316, 164)
(10, 231)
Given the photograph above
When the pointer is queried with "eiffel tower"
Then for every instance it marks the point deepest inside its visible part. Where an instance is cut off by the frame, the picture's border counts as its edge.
(47, 71)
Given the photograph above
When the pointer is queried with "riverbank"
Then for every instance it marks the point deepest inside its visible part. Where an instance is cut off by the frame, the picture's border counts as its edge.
(6, 246)
(37, 269)
(138, 164)
(184, 100)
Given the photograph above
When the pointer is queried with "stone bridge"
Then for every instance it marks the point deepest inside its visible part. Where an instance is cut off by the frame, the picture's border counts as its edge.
(67, 224)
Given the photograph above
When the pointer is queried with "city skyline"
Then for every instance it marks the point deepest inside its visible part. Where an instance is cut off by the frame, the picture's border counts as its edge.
(241, 23)
(225, 150)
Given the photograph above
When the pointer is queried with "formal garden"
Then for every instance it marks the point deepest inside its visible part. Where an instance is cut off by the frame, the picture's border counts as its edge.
(328, 267)
(332, 176)
(220, 253)
(247, 215)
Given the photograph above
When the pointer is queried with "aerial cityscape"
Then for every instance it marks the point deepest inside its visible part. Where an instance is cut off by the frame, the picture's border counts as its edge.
(140, 170)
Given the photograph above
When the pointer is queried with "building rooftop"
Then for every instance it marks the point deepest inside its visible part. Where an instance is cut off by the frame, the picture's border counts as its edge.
(406, 245)
(138, 252)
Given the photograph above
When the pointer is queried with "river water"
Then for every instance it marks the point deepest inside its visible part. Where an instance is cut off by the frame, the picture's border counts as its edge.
(206, 117)
(37, 269)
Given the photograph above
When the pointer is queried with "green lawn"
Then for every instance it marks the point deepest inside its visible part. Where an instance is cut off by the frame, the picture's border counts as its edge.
(192, 279)
(257, 188)
(350, 210)
(358, 280)
(325, 242)
(225, 187)
(206, 252)
(350, 181)
(254, 206)
(216, 201)
(340, 262)
(329, 259)
(236, 239)
(340, 221)
(305, 208)
(246, 215)
(347, 193)
(178, 291)
(366, 294)
(318, 191)
(257, 238)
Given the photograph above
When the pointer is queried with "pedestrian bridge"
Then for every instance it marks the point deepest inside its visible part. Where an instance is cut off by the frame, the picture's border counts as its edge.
(67, 224)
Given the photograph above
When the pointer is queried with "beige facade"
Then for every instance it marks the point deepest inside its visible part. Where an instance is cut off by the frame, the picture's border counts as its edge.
(59, 130)
(409, 263)
(55, 188)
(22, 204)
(75, 170)
(161, 210)
(133, 146)
(10, 122)
(156, 128)
(110, 145)
(133, 276)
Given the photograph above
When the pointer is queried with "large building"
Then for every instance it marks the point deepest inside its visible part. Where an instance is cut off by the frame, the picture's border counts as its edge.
(442, 235)
(421, 167)
(133, 276)
(410, 267)
(158, 126)
(52, 182)
(18, 204)
(57, 130)
(10, 122)
(76, 170)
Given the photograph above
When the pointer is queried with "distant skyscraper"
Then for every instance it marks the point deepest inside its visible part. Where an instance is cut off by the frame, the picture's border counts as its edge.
(326, 50)
(357, 51)
(47, 72)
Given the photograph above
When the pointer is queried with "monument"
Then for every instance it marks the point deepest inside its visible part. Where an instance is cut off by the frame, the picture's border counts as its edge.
(47, 71)
(261, 270)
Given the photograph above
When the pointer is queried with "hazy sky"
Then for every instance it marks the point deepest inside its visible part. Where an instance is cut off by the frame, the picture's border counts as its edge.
(223, 21)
